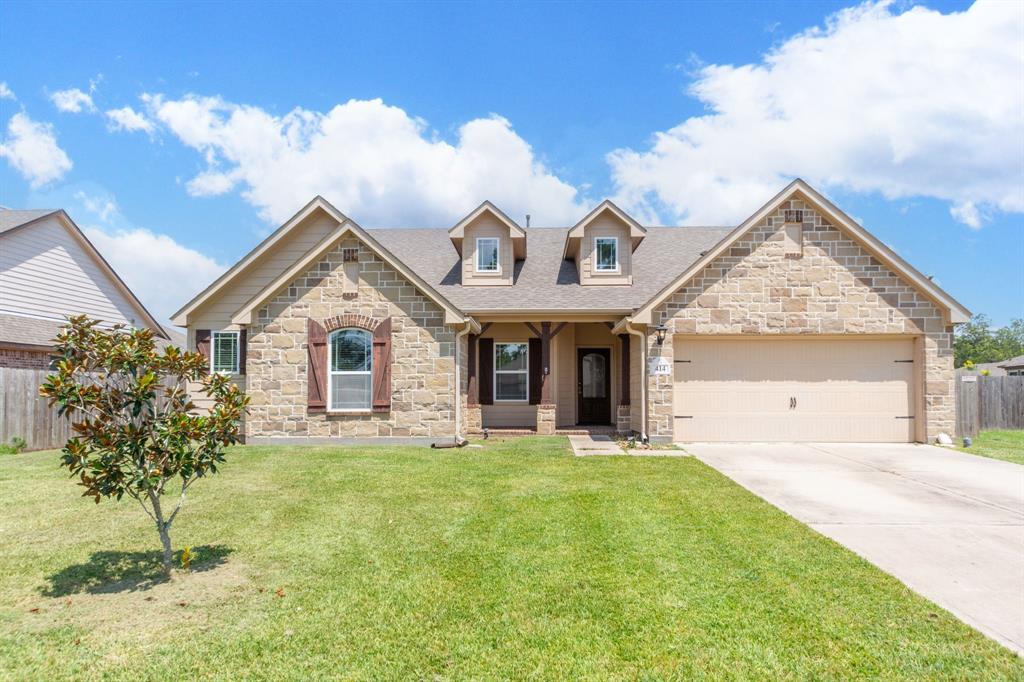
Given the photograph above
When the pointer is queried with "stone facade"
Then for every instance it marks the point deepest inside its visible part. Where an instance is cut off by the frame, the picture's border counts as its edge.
(545, 419)
(422, 351)
(624, 419)
(830, 285)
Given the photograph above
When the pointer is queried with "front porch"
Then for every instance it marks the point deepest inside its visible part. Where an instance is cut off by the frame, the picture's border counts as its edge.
(550, 376)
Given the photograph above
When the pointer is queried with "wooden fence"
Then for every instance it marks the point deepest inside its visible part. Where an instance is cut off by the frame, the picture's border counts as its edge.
(23, 414)
(988, 403)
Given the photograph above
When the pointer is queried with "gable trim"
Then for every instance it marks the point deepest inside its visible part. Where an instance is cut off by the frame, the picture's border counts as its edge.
(180, 318)
(246, 313)
(636, 231)
(955, 311)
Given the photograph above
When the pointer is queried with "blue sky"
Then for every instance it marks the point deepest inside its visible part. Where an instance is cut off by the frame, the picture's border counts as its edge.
(179, 135)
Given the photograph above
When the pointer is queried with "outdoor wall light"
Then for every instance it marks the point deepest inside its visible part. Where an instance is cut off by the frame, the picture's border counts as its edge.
(660, 334)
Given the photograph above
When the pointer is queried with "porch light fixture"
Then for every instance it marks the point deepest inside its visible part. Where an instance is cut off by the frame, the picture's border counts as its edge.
(660, 334)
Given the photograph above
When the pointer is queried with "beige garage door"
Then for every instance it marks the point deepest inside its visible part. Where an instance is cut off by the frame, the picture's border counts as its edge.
(787, 389)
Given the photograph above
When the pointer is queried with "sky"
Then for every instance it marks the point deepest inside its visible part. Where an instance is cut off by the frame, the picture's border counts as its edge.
(179, 135)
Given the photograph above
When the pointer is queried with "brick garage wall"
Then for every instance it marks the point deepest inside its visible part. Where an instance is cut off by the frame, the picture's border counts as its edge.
(833, 287)
(423, 354)
(24, 359)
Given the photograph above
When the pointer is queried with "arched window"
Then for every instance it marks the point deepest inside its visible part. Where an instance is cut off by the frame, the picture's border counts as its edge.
(349, 369)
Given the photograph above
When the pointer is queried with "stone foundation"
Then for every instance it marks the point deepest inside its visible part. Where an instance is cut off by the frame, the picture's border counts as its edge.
(545, 420)
(624, 419)
(472, 419)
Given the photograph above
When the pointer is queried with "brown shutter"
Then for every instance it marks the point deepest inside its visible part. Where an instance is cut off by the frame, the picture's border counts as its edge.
(486, 378)
(382, 366)
(316, 374)
(536, 370)
(242, 347)
(203, 342)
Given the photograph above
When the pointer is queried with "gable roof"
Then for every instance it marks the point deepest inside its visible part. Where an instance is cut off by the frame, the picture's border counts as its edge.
(515, 232)
(798, 188)
(16, 220)
(636, 231)
(245, 314)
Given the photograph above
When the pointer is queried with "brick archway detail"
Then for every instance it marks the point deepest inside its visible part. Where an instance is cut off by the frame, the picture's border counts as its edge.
(351, 320)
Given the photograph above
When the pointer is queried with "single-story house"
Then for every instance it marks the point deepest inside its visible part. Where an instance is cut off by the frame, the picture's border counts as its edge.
(796, 325)
(1013, 367)
(49, 271)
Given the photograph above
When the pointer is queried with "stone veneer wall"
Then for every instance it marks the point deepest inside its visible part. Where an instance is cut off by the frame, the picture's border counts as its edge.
(423, 355)
(833, 287)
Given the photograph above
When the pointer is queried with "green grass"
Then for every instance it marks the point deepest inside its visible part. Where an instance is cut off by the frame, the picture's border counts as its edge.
(516, 560)
(1005, 445)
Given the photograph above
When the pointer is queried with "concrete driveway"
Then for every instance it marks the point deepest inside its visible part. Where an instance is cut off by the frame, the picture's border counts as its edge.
(949, 525)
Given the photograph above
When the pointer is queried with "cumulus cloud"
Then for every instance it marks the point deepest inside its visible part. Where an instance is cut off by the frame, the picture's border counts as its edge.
(31, 148)
(72, 101)
(129, 120)
(373, 161)
(913, 103)
(163, 273)
(6, 92)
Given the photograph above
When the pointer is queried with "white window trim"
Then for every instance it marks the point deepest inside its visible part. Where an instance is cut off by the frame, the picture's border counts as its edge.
(497, 254)
(238, 351)
(526, 371)
(332, 373)
(597, 263)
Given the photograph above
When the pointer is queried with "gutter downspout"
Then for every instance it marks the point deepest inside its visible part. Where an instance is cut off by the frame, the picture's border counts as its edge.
(458, 380)
(643, 378)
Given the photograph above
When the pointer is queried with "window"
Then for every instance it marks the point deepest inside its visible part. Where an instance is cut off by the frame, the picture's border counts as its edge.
(350, 360)
(224, 357)
(511, 381)
(606, 252)
(487, 254)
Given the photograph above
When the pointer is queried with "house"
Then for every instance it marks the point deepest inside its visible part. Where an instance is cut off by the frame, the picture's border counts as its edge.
(48, 271)
(796, 325)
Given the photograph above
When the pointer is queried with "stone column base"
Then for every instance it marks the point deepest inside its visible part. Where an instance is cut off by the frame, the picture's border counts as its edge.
(623, 419)
(472, 418)
(545, 420)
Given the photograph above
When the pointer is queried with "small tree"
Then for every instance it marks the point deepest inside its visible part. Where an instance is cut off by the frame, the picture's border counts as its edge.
(135, 428)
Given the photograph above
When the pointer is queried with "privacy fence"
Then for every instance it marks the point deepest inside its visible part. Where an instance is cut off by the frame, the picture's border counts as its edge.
(23, 414)
(988, 403)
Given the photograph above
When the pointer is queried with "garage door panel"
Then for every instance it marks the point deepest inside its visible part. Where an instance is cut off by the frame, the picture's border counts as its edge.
(827, 390)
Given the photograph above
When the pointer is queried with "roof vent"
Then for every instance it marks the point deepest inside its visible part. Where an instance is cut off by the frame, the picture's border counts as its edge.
(794, 215)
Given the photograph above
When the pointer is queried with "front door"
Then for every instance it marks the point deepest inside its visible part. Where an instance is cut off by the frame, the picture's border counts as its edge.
(594, 385)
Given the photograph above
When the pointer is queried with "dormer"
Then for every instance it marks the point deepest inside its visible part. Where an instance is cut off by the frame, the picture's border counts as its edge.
(602, 245)
(489, 244)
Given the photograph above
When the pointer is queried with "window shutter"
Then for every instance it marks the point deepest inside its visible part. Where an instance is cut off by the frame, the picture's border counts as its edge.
(382, 366)
(242, 350)
(486, 378)
(316, 374)
(203, 342)
(536, 371)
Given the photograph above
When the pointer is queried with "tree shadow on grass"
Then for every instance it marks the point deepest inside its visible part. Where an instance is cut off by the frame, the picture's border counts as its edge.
(111, 572)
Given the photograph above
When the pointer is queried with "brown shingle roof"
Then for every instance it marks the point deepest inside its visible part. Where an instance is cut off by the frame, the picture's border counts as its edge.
(544, 281)
(11, 218)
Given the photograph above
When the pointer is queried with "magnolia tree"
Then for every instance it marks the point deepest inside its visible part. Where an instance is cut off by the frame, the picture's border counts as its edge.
(136, 431)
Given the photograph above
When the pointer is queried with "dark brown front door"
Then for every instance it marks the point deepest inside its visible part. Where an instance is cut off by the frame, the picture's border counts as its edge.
(594, 386)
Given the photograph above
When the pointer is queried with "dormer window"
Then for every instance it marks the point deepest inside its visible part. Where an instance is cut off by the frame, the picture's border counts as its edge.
(487, 254)
(606, 254)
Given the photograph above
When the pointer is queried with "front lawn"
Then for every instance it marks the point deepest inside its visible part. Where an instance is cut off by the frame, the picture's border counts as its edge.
(1004, 445)
(512, 561)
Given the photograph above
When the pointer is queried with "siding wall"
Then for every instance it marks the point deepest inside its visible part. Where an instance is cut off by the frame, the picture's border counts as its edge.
(487, 226)
(606, 225)
(509, 414)
(46, 273)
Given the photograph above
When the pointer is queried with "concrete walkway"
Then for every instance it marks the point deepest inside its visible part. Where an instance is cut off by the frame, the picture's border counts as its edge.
(948, 524)
(594, 445)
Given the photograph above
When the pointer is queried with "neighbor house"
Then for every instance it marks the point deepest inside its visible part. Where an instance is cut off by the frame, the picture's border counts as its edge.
(49, 271)
(796, 325)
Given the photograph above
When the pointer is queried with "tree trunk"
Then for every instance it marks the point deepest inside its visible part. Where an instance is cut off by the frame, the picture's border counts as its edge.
(164, 528)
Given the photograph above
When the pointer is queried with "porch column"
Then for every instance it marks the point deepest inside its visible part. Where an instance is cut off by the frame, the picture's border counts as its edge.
(473, 422)
(623, 413)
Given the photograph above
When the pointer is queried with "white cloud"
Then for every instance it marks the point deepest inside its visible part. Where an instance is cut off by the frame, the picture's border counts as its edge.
(31, 148)
(104, 208)
(73, 100)
(373, 161)
(129, 120)
(161, 272)
(907, 104)
(6, 92)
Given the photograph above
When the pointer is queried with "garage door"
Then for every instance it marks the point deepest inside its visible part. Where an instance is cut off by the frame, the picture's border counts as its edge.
(786, 389)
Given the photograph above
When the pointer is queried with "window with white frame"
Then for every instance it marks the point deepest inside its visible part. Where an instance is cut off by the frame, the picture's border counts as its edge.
(350, 366)
(606, 254)
(487, 254)
(224, 352)
(511, 371)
